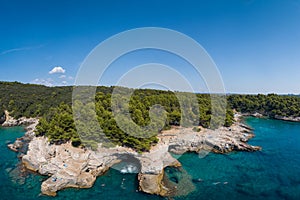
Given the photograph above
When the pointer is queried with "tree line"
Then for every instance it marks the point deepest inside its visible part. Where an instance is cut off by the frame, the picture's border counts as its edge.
(96, 122)
(270, 105)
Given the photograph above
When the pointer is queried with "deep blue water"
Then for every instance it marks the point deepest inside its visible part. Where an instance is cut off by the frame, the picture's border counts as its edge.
(273, 173)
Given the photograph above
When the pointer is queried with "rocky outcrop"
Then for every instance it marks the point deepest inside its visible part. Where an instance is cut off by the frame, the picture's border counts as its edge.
(68, 166)
(21, 143)
(17, 145)
(152, 170)
(9, 121)
(152, 184)
(222, 140)
(258, 115)
(23, 121)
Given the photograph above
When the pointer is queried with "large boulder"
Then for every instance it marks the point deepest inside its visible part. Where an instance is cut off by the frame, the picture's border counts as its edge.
(152, 183)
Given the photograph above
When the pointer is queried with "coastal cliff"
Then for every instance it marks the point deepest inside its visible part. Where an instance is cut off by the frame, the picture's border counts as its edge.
(68, 166)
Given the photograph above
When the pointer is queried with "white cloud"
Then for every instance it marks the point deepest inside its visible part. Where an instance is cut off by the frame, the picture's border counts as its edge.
(57, 70)
(47, 82)
(64, 82)
(71, 77)
(62, 76)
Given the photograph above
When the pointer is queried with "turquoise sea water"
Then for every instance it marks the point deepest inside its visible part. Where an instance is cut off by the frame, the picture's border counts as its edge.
(273, 173)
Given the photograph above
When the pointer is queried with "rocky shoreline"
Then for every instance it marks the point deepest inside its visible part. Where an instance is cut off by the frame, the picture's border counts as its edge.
(277, 117)
(68, 166)
(23, 121)
(20, 145)
(290, 119)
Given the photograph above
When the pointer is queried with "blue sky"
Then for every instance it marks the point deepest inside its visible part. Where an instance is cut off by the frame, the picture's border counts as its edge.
(255, 44)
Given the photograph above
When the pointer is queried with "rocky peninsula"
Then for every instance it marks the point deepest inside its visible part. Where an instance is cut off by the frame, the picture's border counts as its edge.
(68, 166)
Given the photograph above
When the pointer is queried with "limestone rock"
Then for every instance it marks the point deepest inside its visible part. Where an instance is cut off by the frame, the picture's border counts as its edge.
(20, 144)
(152, 184)
(68, 166)
(10, 121)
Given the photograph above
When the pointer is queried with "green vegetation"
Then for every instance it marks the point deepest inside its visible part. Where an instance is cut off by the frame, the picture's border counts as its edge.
(30, 100)
(57, 122)
(270, 105)
(58, 125)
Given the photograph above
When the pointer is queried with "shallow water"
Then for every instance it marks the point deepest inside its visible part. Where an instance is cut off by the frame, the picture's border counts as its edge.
(273, 173)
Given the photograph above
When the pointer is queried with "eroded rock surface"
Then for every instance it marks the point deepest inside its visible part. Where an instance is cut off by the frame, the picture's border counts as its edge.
(222, 140)
(68, 166)
(20, 145)
(10, 121)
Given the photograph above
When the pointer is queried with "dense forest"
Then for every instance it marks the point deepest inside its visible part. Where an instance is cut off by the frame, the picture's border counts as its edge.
(59, 123)
(270, 105)
(53, 105)
(30, 100)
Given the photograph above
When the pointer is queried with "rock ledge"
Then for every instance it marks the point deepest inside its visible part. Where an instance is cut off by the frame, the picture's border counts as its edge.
(68, 167)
